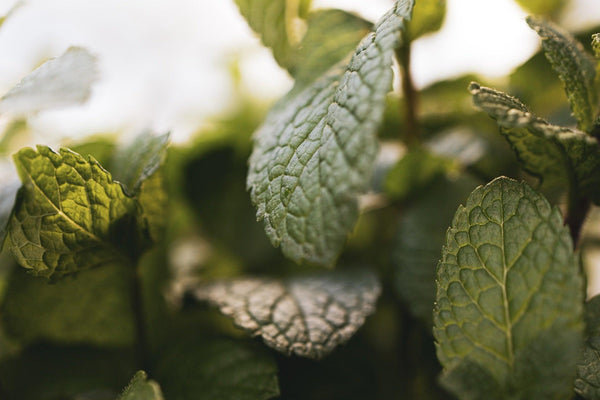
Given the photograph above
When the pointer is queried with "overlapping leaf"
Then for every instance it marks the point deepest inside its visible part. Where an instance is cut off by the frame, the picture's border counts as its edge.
(315, 152)
(509, 292)
(59, 82)
(559, 156)
(428, 17)
(308, 316)
(575, 68)
(587, 383)
(141, 388)
(71, 215)
(8, 194)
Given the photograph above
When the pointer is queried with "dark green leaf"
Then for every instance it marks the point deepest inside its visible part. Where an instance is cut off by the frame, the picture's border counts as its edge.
(468, 380)
(575, 68)
(140, 388)
(587, 383)
(331, 36)
(428, 16)
(71, 215)
(59, 82)
(508, 281)
(315, 152)
(547, 8)
(421, 233)
(559, 156)
(308, 315)
(90, 307)
(221, 369)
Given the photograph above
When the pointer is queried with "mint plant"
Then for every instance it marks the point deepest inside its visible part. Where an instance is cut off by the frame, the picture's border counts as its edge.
(350, 242)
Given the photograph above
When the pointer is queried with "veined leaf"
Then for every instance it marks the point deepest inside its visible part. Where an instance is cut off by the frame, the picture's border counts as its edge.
(575, 68)
(59, 82)
(277, 22)
(543, 7)
(428, 16)
(508, 282)
(559, 156)
(308, 316)
(587, 383)
(315, 152)
(71, 215)
(224, 369)
(141, 388)
(331, 36)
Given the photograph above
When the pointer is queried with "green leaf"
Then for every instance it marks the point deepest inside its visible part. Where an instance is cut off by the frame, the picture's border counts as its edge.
(547, 8)
(331, 36)
(428, 16)
(224, 369)
(141, 388)
(507, 283)
(468, 380)
(307, 315)
(587, 383)
(420, 235)
(59, 82)
(90, 307)
(315, 152)
(71, 215)
(596, 44)
(560, 157)
(575, 68)
(8, 195)
(277, 22)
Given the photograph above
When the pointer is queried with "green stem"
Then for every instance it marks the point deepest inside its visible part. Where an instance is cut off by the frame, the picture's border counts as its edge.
(410, 93)
(137, 305)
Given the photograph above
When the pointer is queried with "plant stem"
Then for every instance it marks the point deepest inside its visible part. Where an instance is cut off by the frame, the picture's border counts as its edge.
(137, 305)
(578, 209)
(410, 96)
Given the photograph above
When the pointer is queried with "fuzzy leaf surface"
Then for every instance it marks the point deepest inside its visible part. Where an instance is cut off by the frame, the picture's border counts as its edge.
(59, 82)
(575, 68)
(71, 215)
(587, 383)
(558, 156)
(208, 368)
(308, 316)
(508, 281)
(315, 152)
(141, 388)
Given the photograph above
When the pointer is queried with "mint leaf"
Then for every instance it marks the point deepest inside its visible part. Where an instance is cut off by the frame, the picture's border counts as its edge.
(468, 380)
(559, 156)
(225, 369)
(428, 16)
(420, 235)
(35, 310)
(508, 282)
(587, 383)
(8, 194)
(596, 44)
(575, 68)
(308, 315)
(71, 215)
(315, 152)
(331, 36)
(59, 82)
(543, 7)
(141, 388)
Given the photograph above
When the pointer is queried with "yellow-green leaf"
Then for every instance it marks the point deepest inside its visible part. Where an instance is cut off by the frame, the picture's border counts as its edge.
(141, 388)
(428, 16)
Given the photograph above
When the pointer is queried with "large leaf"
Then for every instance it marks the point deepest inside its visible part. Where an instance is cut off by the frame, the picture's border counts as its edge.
(71, 215)
(508, 283)
(575, 68)
(331, 36)
(561, 157)
(59, 82)
(308, 316)
(141, 388)
(587, 383)
(90, 307)
(208, 368)
(315, 152)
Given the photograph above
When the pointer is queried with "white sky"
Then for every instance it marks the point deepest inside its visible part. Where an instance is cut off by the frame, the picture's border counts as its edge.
(164, 63)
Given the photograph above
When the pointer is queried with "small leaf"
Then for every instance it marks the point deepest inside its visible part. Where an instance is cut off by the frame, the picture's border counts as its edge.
(61, 312)
(59, 82)
(141, 388)
(587, 383)
(308, 316)
(331, 36)
(575, 68)
(428, 16)
(559, 156)
(224, 369)
(548, 8)
(508, 281)
(315, 152)
(71, 215)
